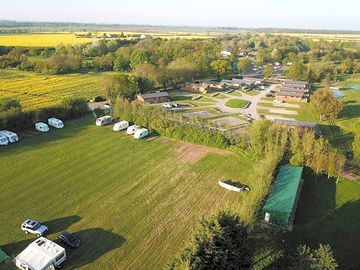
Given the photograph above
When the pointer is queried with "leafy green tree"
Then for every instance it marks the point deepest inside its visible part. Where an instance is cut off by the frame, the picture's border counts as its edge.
(356, 143)
(10, 104)
(119, 85)
(318, 259)
(221, 243)
(268, 71)
(296, 71)
(243, 65)
(326, 104)
(221, 67)
(259, 61)
(346, 66)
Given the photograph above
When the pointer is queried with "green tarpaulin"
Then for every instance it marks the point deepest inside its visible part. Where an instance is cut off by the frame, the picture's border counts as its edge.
(282, 199)
(3, 256)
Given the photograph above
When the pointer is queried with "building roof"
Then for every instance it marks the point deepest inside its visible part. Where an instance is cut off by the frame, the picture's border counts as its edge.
(291, 94)
(284, 191)
(154, 95)
(289, 88)
(40, 253)
(296, 123)
(296, 82)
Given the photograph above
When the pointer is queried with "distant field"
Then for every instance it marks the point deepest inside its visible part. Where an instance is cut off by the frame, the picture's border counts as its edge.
(132, 203)
(53, 39)
(36, 90)
(344, 37)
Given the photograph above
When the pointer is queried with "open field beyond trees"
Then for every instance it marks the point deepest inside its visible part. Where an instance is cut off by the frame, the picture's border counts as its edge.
(132, 203)
(36, 90)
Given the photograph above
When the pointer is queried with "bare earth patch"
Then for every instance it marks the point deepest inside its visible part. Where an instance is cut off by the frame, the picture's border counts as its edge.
(192, 153)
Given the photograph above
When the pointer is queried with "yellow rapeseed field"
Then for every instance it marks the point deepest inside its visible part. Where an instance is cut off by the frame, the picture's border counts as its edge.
(53, 39)
(36, 90)
(343, 37)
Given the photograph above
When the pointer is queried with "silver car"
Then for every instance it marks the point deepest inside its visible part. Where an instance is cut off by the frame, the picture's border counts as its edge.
(33, 227)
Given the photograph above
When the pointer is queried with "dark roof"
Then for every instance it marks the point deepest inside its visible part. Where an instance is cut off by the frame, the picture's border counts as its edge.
(290, 94)
(154, 95)
(296, 82)
(292, 89)
(296, 123)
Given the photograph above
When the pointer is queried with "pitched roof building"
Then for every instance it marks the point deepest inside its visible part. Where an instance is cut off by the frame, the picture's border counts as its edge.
(157, 97)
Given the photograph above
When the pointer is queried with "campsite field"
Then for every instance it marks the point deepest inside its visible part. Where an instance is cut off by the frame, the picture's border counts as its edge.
(37, 90)
(132, 203)
(54, 39)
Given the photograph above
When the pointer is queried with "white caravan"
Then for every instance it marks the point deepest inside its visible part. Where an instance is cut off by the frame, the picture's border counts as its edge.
(141, 133)
(132, 129)
(102, 121)
(121, 126)
(11, 136)
(3, 140)
(42, 254)
(42, 127)
(56, 123)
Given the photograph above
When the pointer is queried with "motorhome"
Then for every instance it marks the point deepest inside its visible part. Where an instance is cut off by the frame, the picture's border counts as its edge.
(3, 140)
(11, 136)
(141, 133)
(122, 125)
(102, 121)
(132, 129)
(42, 127)
(56, 123)
(42, 254)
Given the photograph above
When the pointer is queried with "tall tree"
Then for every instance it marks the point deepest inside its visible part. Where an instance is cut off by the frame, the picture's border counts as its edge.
(221, 67)
(268, 71)
(243, 64)
(326, 104)
(119, 85)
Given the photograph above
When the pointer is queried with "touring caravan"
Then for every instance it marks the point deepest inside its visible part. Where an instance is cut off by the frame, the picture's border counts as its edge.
(3, 140)
(42, 254)
(102, 121)
(132, 129)
(121, 126)
(11, 136)
(56, 123)
(42, 127)
(141, 133)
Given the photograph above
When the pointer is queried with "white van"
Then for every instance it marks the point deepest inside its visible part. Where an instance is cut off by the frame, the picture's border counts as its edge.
(121, 126)
(3, 140)
(11, 136)
(132, 129)
(102, 121)
(278, 101)
(141, 133)
(42, 127)
(42, 254)
(56, 123)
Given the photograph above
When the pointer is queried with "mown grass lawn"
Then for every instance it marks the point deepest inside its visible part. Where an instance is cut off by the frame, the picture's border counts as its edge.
(132, 203)
(236, 103)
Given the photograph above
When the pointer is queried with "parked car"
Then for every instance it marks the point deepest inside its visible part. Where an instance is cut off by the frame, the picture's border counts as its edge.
(167, 106)
(69, 239)
(33, 227)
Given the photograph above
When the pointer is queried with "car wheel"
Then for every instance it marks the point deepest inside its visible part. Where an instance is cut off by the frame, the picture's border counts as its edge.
(26, 232)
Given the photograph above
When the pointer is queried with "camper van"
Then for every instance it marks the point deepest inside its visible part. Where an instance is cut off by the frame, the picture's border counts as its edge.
(3, 140)
(132, 129)
(56, 123)
(141, 133)
(42, 127)
(121, 126)
(42, 254)
(102, 121)
(11, 136)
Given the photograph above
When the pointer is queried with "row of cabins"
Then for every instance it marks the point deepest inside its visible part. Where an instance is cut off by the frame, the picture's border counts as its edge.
(241, 52)
(295, 91)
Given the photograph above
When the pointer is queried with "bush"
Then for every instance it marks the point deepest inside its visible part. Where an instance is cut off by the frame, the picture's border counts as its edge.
(98, 99)
(18, 120)
(8, 104)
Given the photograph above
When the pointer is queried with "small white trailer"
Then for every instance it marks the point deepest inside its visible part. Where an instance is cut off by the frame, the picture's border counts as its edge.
(121, 125)
(56, 123)
(141, 133)
(3, 140)
(102, 121)
(42, 127)
(132, 129)
(11, 136)
(42, 254)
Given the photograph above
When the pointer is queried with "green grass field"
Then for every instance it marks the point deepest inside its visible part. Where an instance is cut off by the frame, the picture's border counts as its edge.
(132, 203)
(236, 103)
(37, 90)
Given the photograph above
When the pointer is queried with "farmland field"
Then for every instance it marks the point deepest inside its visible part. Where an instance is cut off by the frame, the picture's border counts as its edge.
(318, 36)
(132, 203)
(36, 90)
(54, 39)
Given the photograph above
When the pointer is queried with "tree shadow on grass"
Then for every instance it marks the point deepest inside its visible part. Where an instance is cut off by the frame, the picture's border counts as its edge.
(95, 243)
(351, 111)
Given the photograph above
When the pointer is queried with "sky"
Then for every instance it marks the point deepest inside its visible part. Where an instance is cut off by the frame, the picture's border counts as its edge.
(305, 14)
